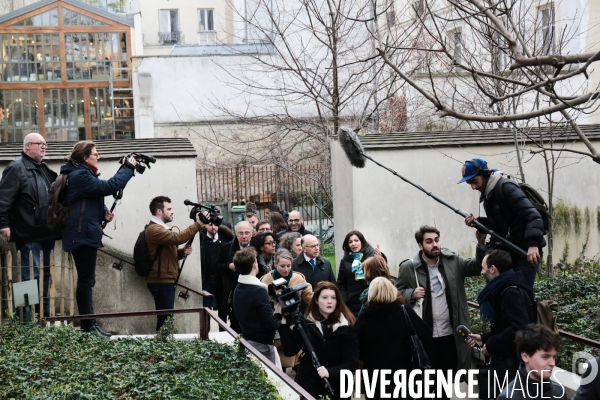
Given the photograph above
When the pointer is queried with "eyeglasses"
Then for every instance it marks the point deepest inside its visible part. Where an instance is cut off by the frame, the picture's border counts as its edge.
(43, 145)
(244, 233)
(314, 246)
(270, 243)
(293, 221)
(95, 155)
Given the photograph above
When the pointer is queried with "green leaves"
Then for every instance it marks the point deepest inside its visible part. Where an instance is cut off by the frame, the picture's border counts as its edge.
(60, 362)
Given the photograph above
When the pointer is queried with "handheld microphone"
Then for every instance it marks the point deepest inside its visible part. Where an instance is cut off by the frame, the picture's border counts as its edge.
(464, 332)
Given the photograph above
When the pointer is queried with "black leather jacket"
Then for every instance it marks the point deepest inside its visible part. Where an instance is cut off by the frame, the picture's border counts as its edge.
(516, 218)
(24, 199)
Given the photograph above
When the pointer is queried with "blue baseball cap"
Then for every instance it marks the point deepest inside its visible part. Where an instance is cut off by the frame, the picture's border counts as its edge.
(471, 169)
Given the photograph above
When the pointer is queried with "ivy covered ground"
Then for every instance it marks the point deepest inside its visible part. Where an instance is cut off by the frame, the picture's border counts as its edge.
(576, 289)
(62, 363)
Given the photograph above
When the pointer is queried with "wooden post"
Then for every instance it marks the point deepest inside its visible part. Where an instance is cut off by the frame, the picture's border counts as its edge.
(63, 265)
(52, 288)
(9, 292)
(31, 277)
(41, 285)
(71, 287)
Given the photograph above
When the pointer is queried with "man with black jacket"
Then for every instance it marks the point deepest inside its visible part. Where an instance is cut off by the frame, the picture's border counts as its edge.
(212, 239)
(309, 263)
(23, 207)
(507, 304)
(243, 234)
(509, 214)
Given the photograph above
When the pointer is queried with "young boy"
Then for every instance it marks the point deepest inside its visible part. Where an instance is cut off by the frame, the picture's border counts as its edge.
(537, 346)
(251, 305)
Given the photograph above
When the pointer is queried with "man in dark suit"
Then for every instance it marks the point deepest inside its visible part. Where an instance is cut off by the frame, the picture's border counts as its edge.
(309, 263)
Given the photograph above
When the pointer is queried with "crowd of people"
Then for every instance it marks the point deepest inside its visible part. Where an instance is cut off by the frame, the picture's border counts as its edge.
(363, 316)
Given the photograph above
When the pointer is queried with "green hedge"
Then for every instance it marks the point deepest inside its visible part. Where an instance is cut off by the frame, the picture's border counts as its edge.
(62, 363)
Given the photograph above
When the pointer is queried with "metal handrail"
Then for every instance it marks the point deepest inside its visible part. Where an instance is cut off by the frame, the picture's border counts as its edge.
(568, 335)
(204, 315)
(202, 293)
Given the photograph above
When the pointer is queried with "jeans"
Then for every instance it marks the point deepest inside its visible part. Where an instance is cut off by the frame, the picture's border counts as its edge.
(267, 350)
(45, 246)
(520, 263)
(164, 299)
(85, 263)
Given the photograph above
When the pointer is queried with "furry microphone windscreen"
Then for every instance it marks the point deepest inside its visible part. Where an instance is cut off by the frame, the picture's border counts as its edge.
(352, 147)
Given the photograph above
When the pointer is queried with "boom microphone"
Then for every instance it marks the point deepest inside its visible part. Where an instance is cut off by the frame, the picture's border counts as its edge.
(355, 153)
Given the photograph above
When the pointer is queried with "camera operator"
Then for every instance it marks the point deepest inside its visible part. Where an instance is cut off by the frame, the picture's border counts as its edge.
(252, 306)
(329, 327)
(165, 270)
(212, 238)
(82, 233)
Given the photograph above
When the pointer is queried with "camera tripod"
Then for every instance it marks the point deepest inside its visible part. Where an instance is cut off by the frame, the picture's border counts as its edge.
(298, 320)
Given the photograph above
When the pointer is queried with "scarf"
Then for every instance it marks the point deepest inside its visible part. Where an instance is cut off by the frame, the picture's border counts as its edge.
(277, 275)
(357, 266)
(92, 168)
(491, 292)
(265, 264)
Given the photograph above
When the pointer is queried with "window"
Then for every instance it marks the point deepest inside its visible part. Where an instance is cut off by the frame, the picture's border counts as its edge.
(391, 14)
(205, 19)
(499, 55)
(169, 27)
(458, 47)
(89, 56)
(48, 18)
(20, 109)
(547, 17)
(73, 18)
(64, 114)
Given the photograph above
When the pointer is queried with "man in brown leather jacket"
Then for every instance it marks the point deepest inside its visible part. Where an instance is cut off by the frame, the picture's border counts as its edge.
(159, 237)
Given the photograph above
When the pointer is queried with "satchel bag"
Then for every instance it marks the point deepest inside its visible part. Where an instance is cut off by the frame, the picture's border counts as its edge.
(420, 360)
(417, 306)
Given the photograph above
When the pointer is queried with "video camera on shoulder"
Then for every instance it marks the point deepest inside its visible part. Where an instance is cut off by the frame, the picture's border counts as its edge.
(213, 216)
(289, 298)
(143, 161)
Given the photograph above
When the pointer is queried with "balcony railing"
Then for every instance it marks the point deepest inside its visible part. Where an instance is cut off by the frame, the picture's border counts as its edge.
(170, 37)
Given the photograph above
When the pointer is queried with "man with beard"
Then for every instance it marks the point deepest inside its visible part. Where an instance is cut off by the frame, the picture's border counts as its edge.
(225, 267)
(507, 304)
(437, 276)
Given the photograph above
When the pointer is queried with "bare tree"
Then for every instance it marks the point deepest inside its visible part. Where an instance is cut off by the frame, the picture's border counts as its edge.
(493, 63)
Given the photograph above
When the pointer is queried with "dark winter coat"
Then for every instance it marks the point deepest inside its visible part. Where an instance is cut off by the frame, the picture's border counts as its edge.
(210, 250)
(348, 285)
(83, 224)
(384, 338)
(253, 310)
(24, 199)
(335, 352)
(514, 217)
(590, 390)
(322, 272)
(229, 278)
(522, 388)
(514, 308)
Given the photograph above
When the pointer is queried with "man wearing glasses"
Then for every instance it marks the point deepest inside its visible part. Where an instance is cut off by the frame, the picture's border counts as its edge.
(243, 234)
(309, 263)
(296, 223)
(23, 207)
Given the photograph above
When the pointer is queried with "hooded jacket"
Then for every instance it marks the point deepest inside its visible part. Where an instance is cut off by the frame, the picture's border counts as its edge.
(514, 217)
(24, 199)
(336, 351)
(83, 224)
(454, 270)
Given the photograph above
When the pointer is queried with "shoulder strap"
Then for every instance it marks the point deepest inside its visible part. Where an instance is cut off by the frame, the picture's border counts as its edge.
(411, 328)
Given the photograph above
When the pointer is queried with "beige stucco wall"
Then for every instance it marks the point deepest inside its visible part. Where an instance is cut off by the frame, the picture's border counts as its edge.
(188, 21)
(388, 211)
(119, 291)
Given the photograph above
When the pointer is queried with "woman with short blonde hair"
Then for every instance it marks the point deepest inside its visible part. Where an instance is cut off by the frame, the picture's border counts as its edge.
(382, 291)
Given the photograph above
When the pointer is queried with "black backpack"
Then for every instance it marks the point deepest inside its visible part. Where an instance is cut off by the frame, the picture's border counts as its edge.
(533, 195)
(57, 211)
(141, 255)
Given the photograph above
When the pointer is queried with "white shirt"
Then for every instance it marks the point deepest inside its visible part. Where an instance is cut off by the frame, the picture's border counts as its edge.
(214, 238)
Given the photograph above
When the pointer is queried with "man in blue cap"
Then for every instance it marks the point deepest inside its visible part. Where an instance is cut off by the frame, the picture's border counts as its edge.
(509, 214)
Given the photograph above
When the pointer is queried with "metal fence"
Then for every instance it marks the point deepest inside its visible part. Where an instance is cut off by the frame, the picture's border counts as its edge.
(306, 188)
